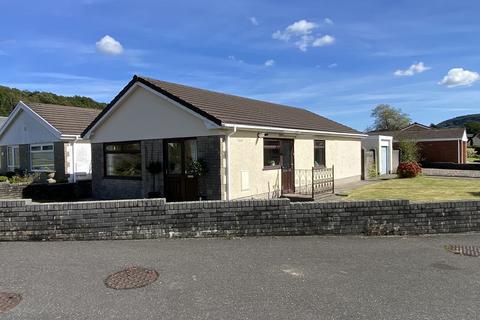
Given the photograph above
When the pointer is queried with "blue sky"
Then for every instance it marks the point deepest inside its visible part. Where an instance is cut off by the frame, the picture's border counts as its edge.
(337, 58)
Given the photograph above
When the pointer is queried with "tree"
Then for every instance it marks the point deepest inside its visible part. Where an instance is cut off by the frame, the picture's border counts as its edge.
(388, 118)
(409, 151)
(473, 127)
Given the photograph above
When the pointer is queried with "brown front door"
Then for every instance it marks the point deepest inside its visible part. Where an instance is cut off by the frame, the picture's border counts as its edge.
(288, 178)
(179, 184)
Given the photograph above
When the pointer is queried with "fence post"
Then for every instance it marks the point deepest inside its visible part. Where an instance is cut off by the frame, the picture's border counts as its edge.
(313, 189)
(333, 179)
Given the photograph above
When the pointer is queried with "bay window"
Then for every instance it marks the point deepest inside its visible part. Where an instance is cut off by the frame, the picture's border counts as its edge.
(123, 159)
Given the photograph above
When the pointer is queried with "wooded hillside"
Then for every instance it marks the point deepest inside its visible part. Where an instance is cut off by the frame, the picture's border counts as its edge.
(9, 97)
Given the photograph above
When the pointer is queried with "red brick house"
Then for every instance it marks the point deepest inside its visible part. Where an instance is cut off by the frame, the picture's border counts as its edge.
(436, 145)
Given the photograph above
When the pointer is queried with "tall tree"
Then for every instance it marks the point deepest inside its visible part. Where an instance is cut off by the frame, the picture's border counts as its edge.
(388, 118)
(473, 127)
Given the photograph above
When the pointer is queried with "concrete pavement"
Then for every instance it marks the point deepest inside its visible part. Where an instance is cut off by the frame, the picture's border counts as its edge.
(248, 278)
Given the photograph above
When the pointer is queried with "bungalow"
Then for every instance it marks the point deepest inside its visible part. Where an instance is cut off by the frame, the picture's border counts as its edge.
(39, 137)
(436, 145)
(163, 139)
(474, 140)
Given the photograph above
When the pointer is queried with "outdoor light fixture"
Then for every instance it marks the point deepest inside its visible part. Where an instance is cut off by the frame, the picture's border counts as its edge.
(262, 135)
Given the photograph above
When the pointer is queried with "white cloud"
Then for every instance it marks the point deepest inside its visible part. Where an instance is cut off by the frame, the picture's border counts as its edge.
(412, 70)
(296, 29)
(301, 32)
(459, 77)
(325, 40)
(254, 21)
(333, 65)
(109, 45)
(328, 21)
(269, 63)
(234, 59)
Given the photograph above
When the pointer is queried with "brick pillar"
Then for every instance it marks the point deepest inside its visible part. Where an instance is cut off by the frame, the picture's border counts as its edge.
(24, 154)
(59, 160)
(3, 159)
(211, 150)
(152, 151)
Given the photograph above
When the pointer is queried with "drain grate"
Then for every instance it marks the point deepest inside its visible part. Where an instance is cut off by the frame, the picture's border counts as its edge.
(470, 251)
(9, 301)
(131, 278)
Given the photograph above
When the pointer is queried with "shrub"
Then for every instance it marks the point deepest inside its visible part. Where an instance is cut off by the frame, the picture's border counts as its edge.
(372, 171)
(408, 169)
(25, 177)
(3, 179)
(409, 151)
(471, 153)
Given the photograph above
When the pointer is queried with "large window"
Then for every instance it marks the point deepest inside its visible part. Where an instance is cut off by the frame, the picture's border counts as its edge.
(13, 158)
(319, 153)
(271, 153)
(123, 160)
(41, 157)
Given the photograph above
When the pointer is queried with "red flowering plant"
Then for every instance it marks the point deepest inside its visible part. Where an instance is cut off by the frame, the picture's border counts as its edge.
(408, 169)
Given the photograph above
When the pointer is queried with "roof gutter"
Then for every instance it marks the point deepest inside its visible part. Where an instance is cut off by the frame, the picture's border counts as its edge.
(297, 131)
(74, 137)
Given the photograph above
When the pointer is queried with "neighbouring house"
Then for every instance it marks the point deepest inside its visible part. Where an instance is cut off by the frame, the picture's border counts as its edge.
(474, 140)
(436, 145)
(46, 138)
(382, 147)
(163, 139)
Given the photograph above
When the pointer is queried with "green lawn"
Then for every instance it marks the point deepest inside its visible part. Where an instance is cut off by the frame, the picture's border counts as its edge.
(419, 189)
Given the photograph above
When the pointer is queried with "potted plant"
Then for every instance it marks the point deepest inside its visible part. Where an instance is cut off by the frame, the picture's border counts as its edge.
(197, 168)
(154, 168)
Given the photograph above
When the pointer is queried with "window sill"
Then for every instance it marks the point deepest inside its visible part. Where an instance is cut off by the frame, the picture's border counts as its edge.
(271, 168)
(122, 178)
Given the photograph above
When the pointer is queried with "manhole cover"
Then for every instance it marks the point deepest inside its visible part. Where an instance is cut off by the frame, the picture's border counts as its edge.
(8, 301)
(131, 278)
(471, 251)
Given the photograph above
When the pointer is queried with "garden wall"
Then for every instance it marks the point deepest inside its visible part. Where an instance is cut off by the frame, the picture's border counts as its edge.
(153, 218)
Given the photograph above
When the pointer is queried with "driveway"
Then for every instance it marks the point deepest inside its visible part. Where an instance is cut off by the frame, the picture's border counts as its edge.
(248, 278)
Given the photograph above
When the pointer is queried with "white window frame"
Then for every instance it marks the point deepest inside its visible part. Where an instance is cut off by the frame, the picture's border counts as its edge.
(41, 146)
(14, 165)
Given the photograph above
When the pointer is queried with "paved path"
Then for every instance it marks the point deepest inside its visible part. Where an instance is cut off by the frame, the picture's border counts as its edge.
(249, 278)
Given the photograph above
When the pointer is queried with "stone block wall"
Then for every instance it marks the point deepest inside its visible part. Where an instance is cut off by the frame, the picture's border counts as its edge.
(11, 191)
(153, 218)
(111, 188)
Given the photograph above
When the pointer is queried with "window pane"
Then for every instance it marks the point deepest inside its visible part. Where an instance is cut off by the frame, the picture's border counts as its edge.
(174, 158)
(319, 153)
(190, 153)
(123, 164)
(36, 148)
(16, 157)
(123, 147)
(271, 152)
(13, 158)
(47, 148)
(42, 161)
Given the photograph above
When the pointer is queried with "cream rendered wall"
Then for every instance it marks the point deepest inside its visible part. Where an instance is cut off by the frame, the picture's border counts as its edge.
(303, 149)
(25, 129)
(83, 156)
(346, 155)
(144, 115)
(246, 157)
